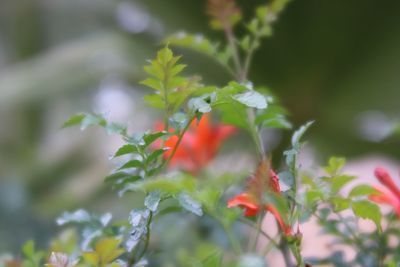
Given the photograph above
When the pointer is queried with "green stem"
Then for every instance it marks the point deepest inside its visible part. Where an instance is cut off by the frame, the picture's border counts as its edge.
(251, 224)
(180, 137)
(235, 53)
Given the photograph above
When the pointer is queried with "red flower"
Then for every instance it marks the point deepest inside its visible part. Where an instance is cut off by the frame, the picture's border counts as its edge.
(264, 180)
(198, 146)
(390, 196)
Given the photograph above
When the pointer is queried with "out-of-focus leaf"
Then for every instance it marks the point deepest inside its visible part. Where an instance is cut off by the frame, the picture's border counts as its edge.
(108, 249)
(340, 203)
(202, 104)
(131, 164)
(362, 190)
(188, 203)
(251, 260)
(155, 154)
(78, 216)
(138, 219)
(126, 149)
(195, 42)
(252, 99)
(171, 185)
(152, 200)
(338, 182)
(74, 120)
(149, 138)
(287, 178)
(367, 210)
(335, 164)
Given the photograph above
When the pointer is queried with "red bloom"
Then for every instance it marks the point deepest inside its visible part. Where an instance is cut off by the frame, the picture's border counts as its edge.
(199, 144)
(264, 180)
(390, 196)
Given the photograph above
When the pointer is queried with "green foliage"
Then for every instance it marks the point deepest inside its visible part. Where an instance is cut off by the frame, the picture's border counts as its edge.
(86, 120)
(188, 203)
(171, 89)
(367, 210)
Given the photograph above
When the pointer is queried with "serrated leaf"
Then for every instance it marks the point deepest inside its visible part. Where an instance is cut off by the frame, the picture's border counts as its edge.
(153, 83)
(367, 210)
(362, 190)
(252, 99)
(194, 42)
(126, 149)
(188, 203)
(155, 101)
(121, 177)
(155, 154)
(74, 120)
(152, 200)
(149, 138)
(131, 164)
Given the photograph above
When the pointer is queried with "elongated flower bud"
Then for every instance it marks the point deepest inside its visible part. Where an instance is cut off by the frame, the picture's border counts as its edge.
(384, 178)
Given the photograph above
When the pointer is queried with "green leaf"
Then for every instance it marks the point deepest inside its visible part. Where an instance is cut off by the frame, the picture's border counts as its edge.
(112, 128)
(108, 250)
(149, 138)
(362, 190)
(92, 119)
(153, 83)
(338, 182)
(126, 149)
(170, 185)
(340, 203)
(74, 120)
(299, 134)
(335, 164)
(201, 104)
(313, 196)
(120, 178)
(367, 210)
(131, 164)
(252, 99)
(29, 249)
(188, 203)
(152, 200)
(195, 42)
(155, 101)
(155, 154)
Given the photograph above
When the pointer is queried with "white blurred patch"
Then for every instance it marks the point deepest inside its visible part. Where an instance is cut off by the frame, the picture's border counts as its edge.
(374, 126)
(113, 100)
(135, 19)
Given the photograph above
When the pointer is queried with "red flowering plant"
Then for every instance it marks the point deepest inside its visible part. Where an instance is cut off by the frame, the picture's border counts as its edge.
(164, 165)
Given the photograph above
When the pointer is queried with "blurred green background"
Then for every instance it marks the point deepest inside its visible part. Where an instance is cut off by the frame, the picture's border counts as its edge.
(337, 62)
